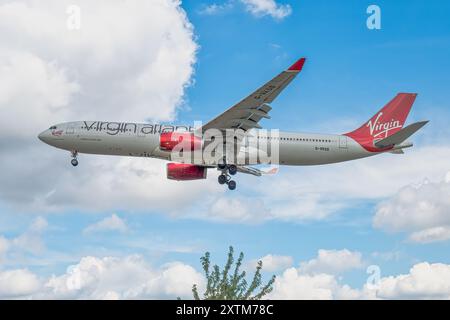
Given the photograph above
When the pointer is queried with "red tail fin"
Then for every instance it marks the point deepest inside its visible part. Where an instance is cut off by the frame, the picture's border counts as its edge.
(385, 122)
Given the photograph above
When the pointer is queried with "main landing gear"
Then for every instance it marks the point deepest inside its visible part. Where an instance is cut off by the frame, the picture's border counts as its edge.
(227, 172)
(74, 160)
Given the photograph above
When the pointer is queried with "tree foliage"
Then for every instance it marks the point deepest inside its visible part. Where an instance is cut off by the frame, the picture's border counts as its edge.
(224, 285)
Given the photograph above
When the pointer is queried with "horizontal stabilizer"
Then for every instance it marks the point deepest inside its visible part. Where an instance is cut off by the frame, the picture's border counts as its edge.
(397, 151)
(400, 136)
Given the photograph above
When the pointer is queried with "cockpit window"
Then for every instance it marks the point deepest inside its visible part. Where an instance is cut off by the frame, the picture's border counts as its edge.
(52, 127)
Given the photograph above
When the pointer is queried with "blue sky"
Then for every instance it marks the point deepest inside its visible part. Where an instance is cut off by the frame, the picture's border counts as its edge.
(350, 73)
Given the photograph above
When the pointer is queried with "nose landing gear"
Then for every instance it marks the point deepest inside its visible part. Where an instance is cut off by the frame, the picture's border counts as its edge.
(74, 160)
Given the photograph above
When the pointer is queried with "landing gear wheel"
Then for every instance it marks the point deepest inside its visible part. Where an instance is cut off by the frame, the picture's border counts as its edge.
(74, 160)
(222, 179)
(231, 184)
(232, 169)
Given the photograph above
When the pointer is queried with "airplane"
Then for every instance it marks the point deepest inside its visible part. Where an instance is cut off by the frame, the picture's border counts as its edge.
(382, 133)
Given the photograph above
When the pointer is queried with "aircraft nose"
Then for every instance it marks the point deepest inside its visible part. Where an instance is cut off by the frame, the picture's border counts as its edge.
(43, 136)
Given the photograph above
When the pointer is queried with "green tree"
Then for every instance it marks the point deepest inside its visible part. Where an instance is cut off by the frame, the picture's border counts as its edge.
(222, 285)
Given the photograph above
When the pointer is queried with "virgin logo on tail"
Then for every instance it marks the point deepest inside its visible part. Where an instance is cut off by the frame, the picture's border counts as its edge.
(378, 128)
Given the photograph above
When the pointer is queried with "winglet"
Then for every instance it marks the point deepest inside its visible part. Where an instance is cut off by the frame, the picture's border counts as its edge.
(298, 65)
(273, 170)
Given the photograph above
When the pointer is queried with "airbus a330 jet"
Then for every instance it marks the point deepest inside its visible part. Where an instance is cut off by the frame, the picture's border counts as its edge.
(238, 142)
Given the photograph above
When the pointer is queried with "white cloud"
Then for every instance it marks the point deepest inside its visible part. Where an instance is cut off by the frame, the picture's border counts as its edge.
(332, 262)
(215, 8)
(98, 278)
(153, 43)
(176, 279)
(424, 281)
(30, 241)
(122, 278)
(257, 8)
(112, 223)
(316, 278)
(18, 283)
(267, 7)
(33, 92)
(422, 209)
(232, 209)
(130, 277)
(393, 255)
(272, 263)
(292, 284)
(431, 235)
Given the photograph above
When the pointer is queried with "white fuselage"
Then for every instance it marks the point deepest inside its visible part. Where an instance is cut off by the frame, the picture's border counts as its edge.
(143, 140)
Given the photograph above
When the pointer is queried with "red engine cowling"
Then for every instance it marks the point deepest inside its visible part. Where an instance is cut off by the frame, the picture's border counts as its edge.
(186, 141)
(183, 171)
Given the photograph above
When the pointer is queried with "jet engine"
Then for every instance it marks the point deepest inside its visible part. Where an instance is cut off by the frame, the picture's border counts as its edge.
(183, 171)
(182, 140)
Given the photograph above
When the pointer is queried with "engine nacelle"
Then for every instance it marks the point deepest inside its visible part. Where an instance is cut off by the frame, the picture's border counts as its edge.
(184, 140)
(184, 171)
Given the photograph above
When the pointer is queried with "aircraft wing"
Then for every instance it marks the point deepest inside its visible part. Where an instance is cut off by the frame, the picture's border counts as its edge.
(247, 113)
(255, 171)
